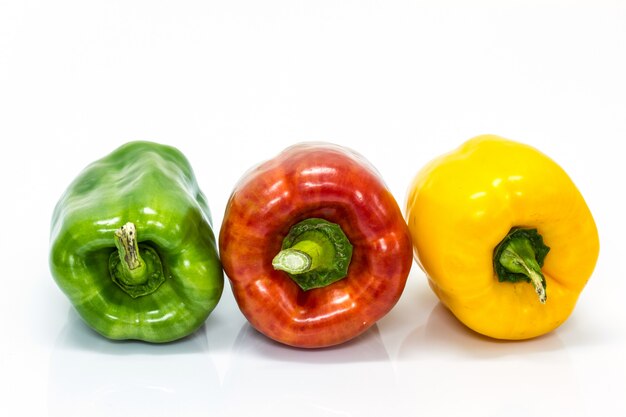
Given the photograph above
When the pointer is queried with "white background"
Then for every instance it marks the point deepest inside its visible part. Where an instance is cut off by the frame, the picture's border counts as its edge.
(232, 83)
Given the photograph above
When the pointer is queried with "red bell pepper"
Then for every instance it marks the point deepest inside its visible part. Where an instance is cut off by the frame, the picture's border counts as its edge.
(315, 246)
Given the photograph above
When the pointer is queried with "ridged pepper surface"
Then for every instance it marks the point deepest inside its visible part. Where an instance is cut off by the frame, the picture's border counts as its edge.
(133, 248)
(504, 236)
(315, 246)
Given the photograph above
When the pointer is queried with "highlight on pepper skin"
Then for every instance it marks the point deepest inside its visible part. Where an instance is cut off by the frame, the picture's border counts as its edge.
(315, 246)
(133, 248)
(504, 236)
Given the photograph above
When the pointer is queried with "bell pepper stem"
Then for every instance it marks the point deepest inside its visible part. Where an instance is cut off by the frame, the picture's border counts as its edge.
(304, 256)
(292, 261)
(539, 283)
(315, 253)
(133, 266)
(519, 257)
(136, 270)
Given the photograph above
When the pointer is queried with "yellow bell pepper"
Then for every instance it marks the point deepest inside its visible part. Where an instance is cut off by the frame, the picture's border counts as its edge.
(503, 235)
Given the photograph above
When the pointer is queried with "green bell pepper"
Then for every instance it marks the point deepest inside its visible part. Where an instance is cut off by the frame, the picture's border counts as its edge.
(132, 245)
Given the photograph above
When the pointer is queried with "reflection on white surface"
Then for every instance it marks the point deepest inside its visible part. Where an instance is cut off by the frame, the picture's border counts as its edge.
(435, 367)
(267, 378)
(93, 376)
(448, 338)
(484, 377)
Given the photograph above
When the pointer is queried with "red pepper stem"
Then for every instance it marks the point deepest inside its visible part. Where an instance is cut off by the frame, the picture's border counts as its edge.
(315, 253)
(302, 257)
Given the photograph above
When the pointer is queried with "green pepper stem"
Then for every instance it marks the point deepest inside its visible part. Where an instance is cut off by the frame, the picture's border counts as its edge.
(315, 253)
(137, 270)
(520, 257)
(133, 267)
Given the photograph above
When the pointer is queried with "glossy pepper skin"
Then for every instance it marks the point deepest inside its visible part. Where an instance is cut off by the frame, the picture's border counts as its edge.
(153, 187)
(314, 180)
(463, 204)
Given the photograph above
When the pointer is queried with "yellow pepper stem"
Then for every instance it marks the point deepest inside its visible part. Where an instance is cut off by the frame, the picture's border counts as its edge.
(519, 257)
